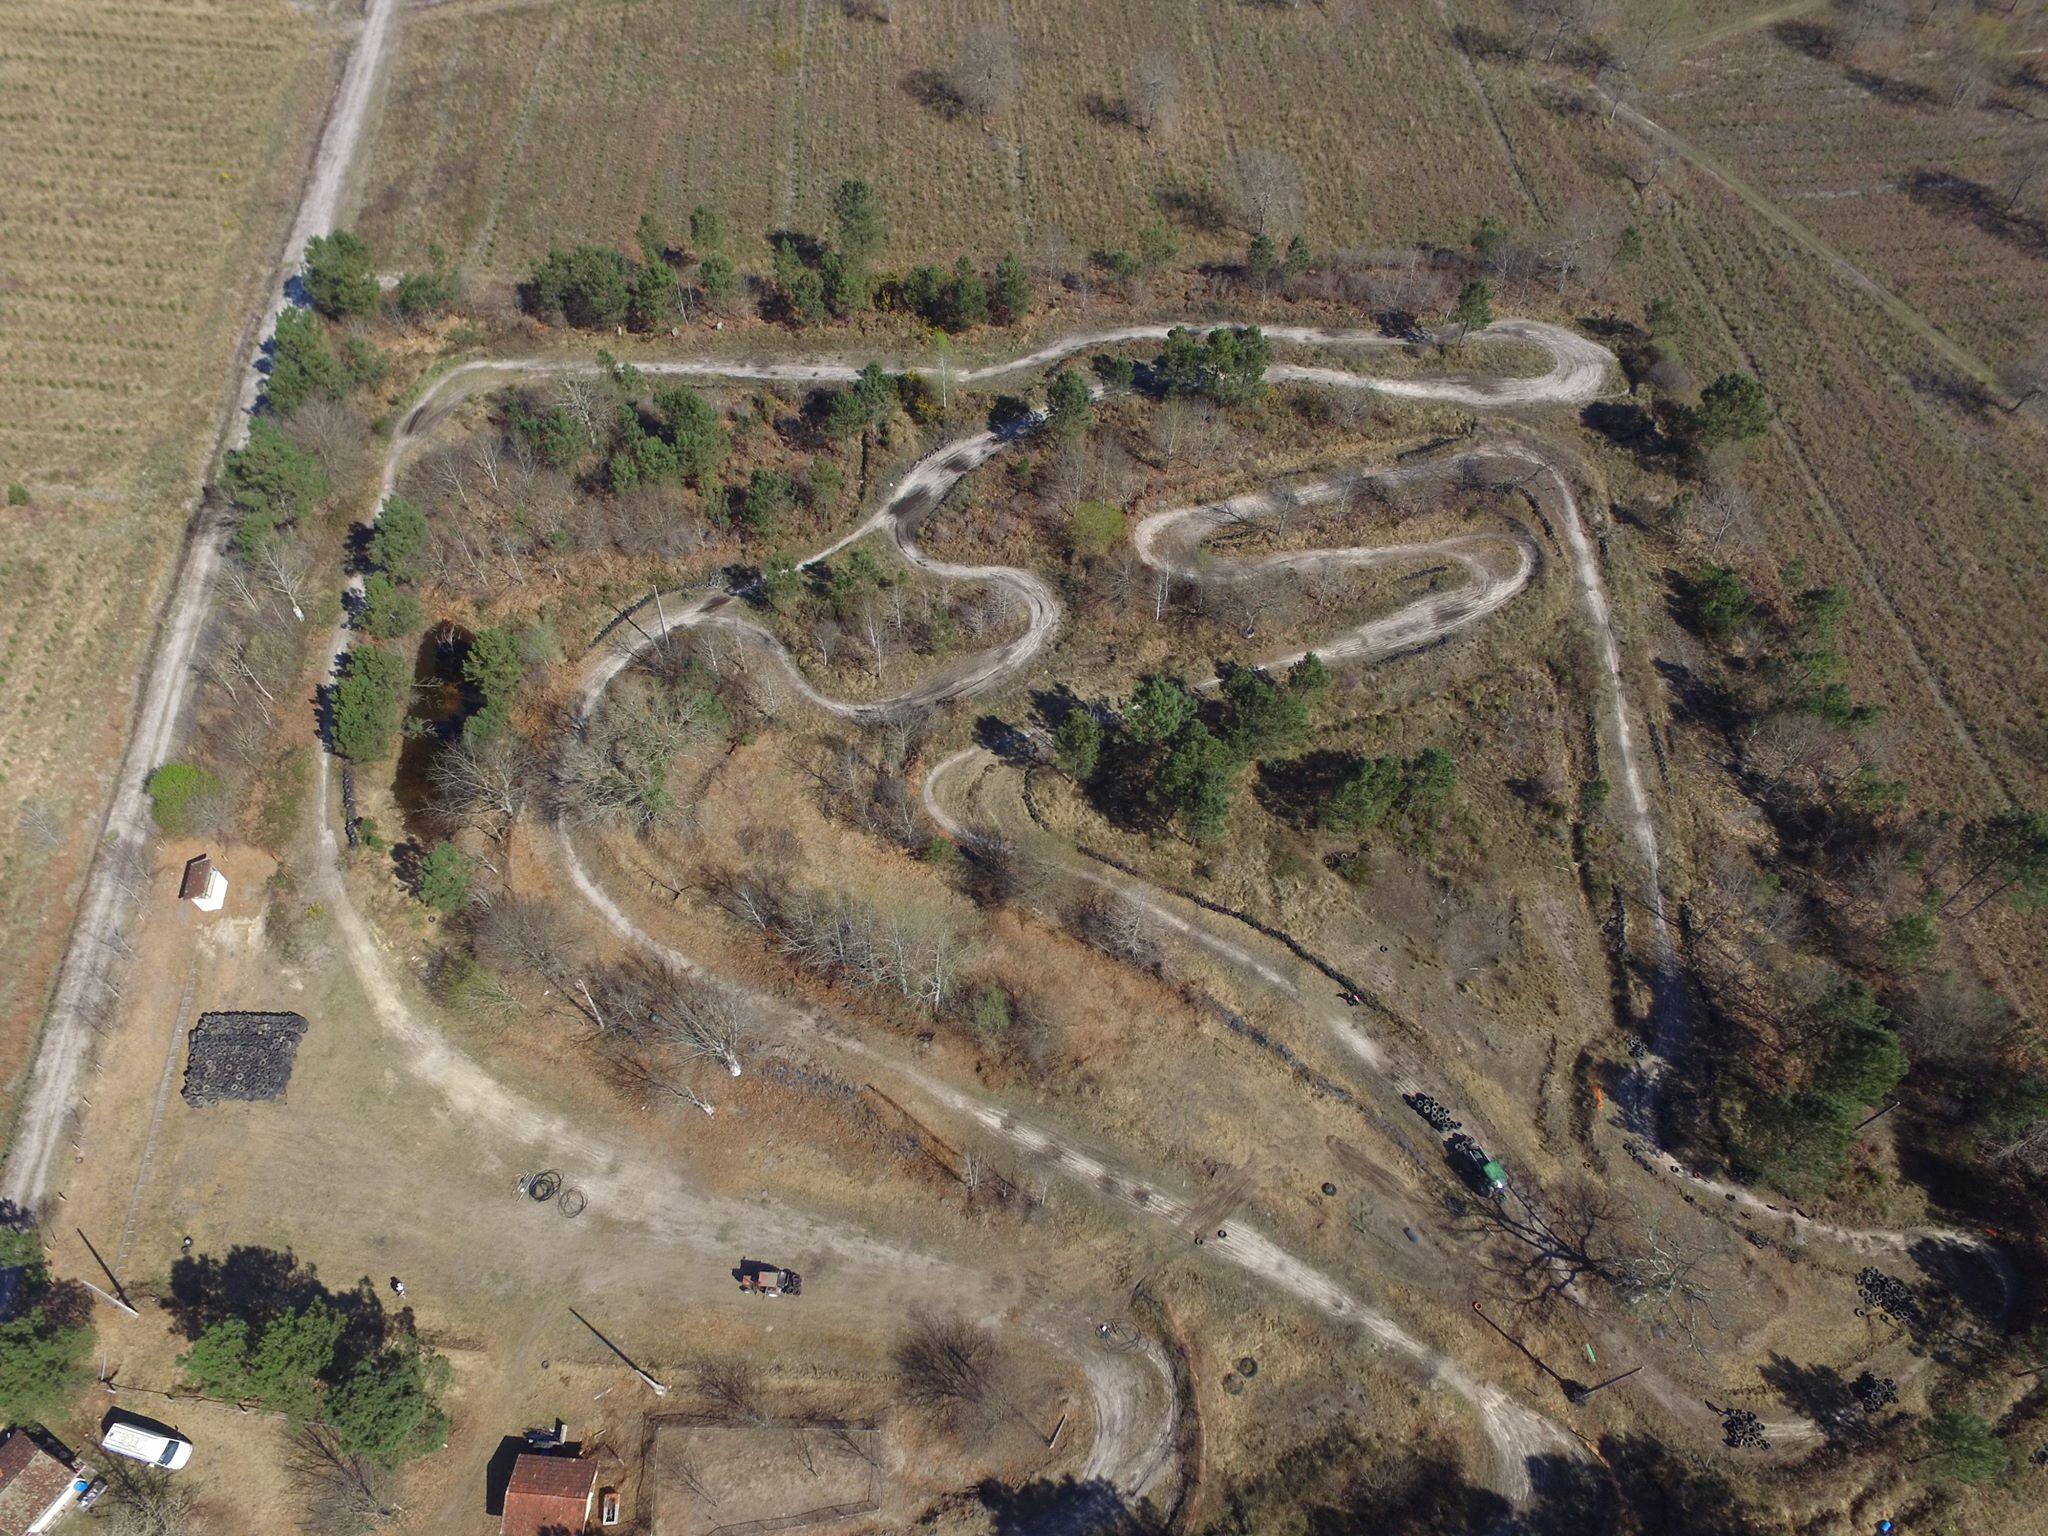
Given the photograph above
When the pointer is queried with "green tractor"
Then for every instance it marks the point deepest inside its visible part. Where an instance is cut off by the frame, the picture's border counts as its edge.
(1479, 1170)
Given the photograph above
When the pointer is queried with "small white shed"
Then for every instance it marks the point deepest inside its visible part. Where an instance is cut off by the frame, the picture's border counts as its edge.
(204, 886)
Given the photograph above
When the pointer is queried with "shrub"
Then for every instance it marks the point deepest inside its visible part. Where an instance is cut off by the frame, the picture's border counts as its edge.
(385, 1409)
(1722, 605)
(1963, 1447)
(340, 278)
(1474, 309)
(373, 684)
(420, 295)
(1095, 528)
(1077, 744)
(990, 1015)
(177, 794)
(271, 481)
(389, 611)
(302, 365)
(17, 494)
(1116, 373)
(495, 667)
(1732, 410)
(446, 875)
(1067, 404)
(1010, 294)
(591, 286)
(399, 539)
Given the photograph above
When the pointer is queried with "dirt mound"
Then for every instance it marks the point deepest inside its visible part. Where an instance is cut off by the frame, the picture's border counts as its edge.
(241, 1056)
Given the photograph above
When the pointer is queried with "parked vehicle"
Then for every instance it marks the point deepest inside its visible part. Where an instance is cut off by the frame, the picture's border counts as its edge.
(140, 1441)
(1479, 1169)
(771, 1282)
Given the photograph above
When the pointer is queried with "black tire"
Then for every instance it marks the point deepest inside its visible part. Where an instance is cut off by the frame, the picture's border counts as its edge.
(544, 1186)
(1247, 1367)
(571, 1202)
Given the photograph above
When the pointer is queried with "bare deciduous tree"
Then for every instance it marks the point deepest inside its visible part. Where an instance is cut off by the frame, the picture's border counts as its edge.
(484, 783)
(731, 1385)
(1121, 929)
(2025, 377)
(946, 1364)
(144, 1501)
(985, 75)
(345, 1494)
(1152, 95)
(1552, 23)
(1268, 188)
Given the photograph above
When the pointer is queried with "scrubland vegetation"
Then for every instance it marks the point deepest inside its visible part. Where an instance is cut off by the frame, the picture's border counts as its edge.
(1807, 493)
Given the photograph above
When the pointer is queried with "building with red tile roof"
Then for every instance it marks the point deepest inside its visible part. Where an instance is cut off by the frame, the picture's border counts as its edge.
(549, 1496)
(35, 1487)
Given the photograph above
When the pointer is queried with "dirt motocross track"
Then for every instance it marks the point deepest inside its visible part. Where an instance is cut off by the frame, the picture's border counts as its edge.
(1133, 1403)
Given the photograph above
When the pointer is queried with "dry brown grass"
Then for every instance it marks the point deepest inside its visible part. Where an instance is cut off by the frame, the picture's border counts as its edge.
(1852, 149)
(513, 129)
(151, 157)
(1886, 473)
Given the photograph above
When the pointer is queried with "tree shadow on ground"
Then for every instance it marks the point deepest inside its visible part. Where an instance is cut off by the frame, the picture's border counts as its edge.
(1964, 200)
(1627, 426)
(1818, 1392)
(1294, 789)
(1065, 1506)
(1006, 742)
(1810, 38)
(1970, 1278)
(258, 1285)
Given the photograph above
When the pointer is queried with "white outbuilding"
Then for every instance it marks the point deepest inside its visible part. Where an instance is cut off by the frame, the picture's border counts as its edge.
(204, 886)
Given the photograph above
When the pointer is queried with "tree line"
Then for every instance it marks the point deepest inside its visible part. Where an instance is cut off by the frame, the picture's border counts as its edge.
(809, 279)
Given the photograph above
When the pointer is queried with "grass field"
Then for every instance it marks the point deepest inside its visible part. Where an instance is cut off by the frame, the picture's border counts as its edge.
(1877, 475)
(152, 156)
(1860, 159)
(508, 129)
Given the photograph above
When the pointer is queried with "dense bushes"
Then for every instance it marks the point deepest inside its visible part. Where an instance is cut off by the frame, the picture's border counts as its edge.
(1799, 1137)
(1228, 365)
(302, 1362)
(45, 1334)
(1372, 789)
(1166, 756)
(178, 794)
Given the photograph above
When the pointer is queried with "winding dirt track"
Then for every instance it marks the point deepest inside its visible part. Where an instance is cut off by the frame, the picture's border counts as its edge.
(1164, 541)
(1579, 371)
(1127, 1391)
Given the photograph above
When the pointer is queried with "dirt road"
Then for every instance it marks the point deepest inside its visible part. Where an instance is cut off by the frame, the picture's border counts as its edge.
(104, 907)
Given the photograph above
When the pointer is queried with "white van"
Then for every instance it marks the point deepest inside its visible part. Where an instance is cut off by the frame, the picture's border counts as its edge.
(141, 1443)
